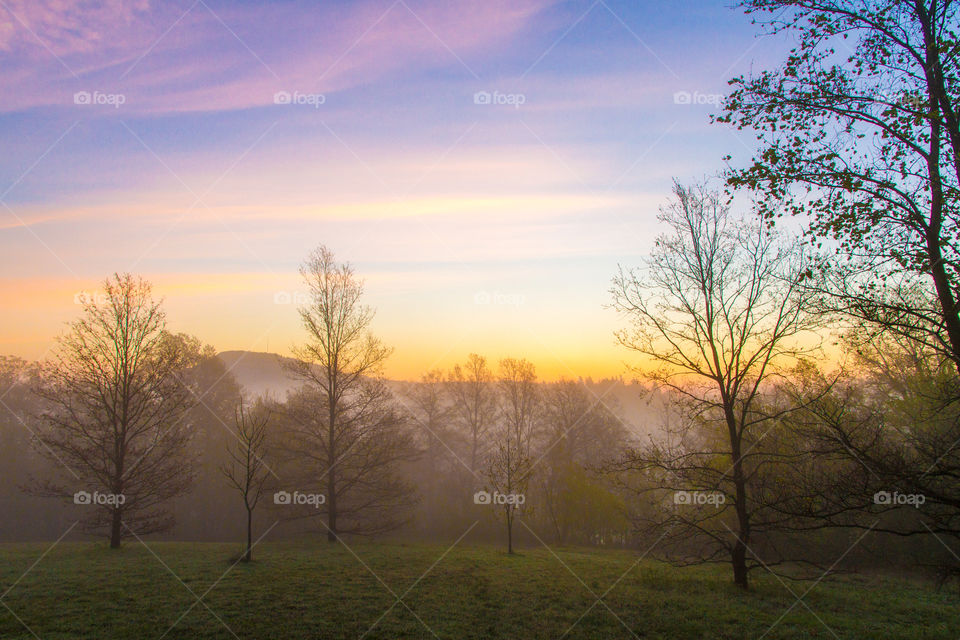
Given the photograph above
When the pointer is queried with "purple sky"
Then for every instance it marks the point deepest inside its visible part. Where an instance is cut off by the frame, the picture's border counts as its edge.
(484, 165)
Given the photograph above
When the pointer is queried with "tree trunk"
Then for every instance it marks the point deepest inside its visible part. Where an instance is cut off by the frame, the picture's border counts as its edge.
(473, 455)
(332, 474)
(738, 555)
(115, 528)
(247, 555)
(936, 93)
(332, 508)
(739, 559)
(509, 529)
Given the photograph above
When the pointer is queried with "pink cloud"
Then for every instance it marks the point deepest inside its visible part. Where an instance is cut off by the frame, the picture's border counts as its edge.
(166, 60)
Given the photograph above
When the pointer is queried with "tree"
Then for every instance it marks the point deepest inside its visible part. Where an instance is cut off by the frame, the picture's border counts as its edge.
(432, 411)
(115, 405)
(246, 471)
(344, 422)
(716, 311)
(474, 401)
(868, 149)
(205, 513)
(510, 462)
(579, 434)
(885, 441)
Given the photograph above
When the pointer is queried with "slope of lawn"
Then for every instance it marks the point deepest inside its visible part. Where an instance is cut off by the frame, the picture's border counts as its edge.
(315, 590)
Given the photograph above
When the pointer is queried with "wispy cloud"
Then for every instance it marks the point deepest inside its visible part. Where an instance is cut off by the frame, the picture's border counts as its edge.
(201, 56)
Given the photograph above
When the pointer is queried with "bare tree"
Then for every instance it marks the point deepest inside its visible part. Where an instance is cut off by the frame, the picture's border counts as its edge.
(246, 471)
(474, 401)
(116, 400)
(371, 441)
(344, 420)
(510, 462)
(716, 311)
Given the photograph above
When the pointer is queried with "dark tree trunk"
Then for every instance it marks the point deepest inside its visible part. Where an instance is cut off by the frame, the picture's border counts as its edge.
(332, 474)
(332, 523)
(739, 558)
(115, 529)
(249, 553)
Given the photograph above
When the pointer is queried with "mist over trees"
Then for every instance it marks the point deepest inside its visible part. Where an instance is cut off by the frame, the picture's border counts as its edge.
(802, 389)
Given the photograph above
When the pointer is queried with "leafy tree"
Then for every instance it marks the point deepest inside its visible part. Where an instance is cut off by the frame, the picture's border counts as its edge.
(885, 441)
(578, 434)
(859, 134)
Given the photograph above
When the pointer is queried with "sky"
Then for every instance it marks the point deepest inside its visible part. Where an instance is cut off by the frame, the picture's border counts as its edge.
(485, 166)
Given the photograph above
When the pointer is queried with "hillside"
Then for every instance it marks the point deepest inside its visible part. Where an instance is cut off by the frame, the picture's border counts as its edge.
(316, 590)
(259, 373)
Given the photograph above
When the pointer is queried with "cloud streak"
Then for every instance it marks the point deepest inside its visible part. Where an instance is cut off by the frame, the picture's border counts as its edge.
(199, 56)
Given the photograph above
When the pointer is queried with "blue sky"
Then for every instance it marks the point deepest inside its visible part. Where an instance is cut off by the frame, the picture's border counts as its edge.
(147, 137)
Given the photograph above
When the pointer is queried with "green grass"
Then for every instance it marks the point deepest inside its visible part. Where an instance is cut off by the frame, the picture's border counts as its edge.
(314, 590)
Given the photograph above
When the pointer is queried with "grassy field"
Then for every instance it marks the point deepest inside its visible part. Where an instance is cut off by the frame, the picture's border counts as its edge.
(312, 590)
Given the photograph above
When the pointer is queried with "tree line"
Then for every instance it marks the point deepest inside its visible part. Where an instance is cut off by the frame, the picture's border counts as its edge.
(126, 419)
(810, 378)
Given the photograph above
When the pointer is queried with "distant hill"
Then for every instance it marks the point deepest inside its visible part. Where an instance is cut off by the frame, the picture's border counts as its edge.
(259, 373)
(263, 373)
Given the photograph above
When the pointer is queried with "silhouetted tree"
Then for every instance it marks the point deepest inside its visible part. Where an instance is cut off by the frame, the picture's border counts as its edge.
(510, 461)
(344, 423)
(247, 471)
(115, 402)
(716, 311)
(474, 403)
